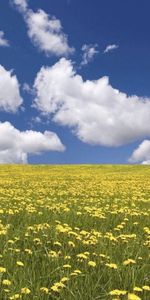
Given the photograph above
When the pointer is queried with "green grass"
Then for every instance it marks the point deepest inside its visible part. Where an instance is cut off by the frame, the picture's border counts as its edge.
(50, 214)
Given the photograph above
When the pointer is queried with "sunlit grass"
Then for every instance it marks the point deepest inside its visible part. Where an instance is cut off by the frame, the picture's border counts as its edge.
(75, 232)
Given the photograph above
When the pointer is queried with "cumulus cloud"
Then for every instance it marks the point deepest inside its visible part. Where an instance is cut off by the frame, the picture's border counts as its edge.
(3, 41)
(10, 98)
(15, 145)
(21, 5)
(96, 112)
(142, 153)
(45, 31)
(110, 48)
(89, 51)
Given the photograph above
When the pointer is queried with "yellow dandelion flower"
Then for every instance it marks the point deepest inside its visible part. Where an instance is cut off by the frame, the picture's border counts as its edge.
(6, 290)
(73, 274)
(133, 297)
(129, 262)
(55, 288)
(14, 297)
(112, 266)
(44, 290)
(6, 282)
(118, 292)
(25, 291)
(82, 256)
(64, 279)
(20, 263)
(77, 271)
(67, 257)
(146, 288)
(57, 244)
(2, 270)
(67, 266)
(29, 251)
(137, 289)
(71, 244)
(92, 264)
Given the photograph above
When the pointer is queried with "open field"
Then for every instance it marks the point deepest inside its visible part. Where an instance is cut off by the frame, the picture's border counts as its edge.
(75, 232)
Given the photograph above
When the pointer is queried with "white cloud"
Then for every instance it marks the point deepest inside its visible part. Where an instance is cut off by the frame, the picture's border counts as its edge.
(26, 88)
(97, 113)
(89, 51)
(142, 153)
(15, 145)
(45, 31)
(10, 98)
(3, 41)
(110, 48)
(21, 5)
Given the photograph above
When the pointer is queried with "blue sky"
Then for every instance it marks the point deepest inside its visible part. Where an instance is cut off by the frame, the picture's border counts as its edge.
(89, 121)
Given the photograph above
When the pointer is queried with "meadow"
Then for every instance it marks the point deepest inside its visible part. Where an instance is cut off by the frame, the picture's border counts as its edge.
(75, 232)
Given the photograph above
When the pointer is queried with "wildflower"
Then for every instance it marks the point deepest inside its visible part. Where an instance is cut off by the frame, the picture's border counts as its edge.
(14, 297)
(64, 279)
(6, 282)
(67, 257)
(25, 291)
(2, 270)
(20, 263)
(146, 288)
(77, 271)
(92, 264)
(57, 287)
(53, 254)
(6, 290)
(137, 289)
(133, 297)
(67, 266)
(44, 290)
(71, 244)
(73, 274)
(112, 266)
(82, 256)
(129, 262)
(29, 251)
(57, 244)
(117, 293)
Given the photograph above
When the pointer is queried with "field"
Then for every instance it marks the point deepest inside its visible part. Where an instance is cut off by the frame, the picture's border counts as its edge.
(75, 232)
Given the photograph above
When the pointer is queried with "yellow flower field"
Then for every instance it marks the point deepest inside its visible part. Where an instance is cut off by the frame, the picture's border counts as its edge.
(75, 232)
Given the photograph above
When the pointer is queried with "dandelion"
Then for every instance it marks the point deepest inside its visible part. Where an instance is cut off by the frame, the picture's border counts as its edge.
(133, 297)
(14, 297)
(137, 289)
(71, 244)
(2, 270)
(67, 266)
(82, 256)
(55, 288)
(112, 266)
(57, 244)
(77, 271)
(92, 264)
(118, 293)
(6, 282)
(44, 290)
(64, 279)
(129, 262)
(20, 263)
(25, 291)
(146, 288)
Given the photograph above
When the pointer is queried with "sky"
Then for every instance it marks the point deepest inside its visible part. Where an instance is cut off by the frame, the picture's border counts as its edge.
(74, 81)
